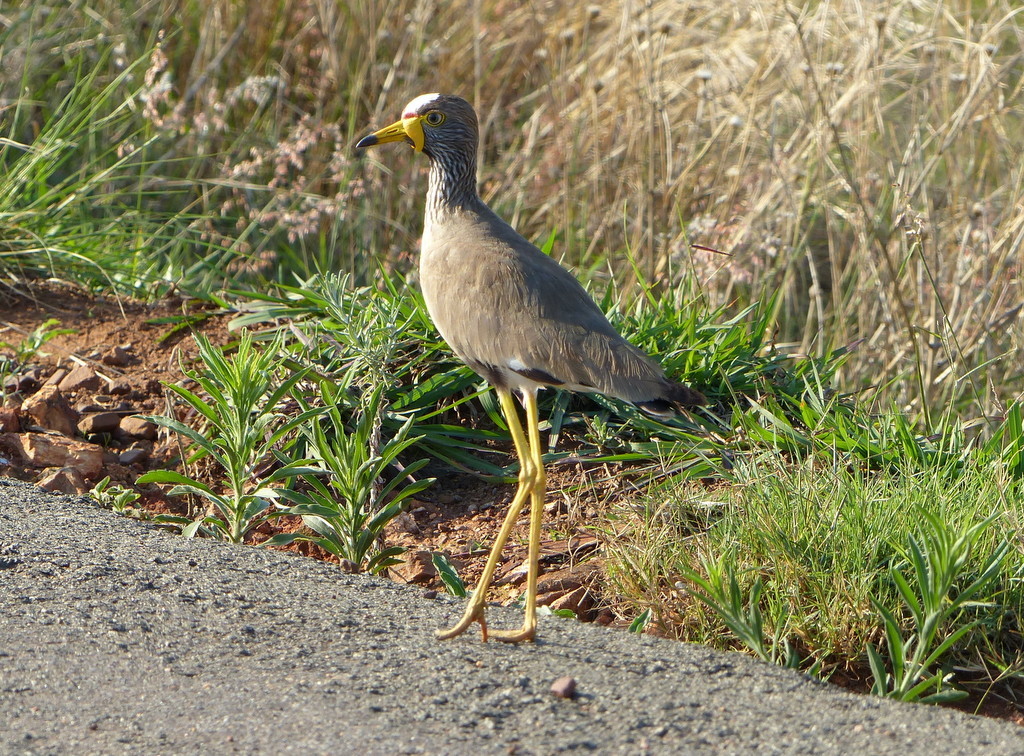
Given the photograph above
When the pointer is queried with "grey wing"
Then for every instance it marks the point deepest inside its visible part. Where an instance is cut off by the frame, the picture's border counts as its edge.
(578, 345)
(531, 316)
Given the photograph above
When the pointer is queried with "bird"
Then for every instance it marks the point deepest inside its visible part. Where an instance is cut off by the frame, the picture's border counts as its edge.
(516, 317)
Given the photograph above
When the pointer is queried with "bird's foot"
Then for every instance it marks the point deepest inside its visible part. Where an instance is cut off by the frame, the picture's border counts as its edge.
(474, 613)
(525, 633)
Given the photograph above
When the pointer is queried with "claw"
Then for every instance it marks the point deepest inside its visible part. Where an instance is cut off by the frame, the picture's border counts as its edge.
(514, 636)
(473, 614)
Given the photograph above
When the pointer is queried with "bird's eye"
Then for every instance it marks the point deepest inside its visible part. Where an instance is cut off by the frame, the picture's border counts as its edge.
(434, 118)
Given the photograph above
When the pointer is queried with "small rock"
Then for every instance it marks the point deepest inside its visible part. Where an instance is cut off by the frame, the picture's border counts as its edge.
(117, 356)
(418, 567)
(119, 387)
(28, 381)
(63, 480)
(348, 566)
(132, 456)
(569, 588)
(138, 427)
(405, 523)
(514, 576)
(580, 602)
(559, 582)
(50, 409)
(100, 422)
(9, 422)
(564, 687)
(430, 594)
(56, 377)
(51, 450)
(80, 377)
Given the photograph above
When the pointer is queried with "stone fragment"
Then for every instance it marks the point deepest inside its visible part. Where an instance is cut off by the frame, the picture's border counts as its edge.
(418, 567)
(116, 356)
(564, 687)
(514, 576)
(132, 456)
(405, 523)
(580, 602)
(80, 377)
(51, 450)
(56, 377)
(9, 421)
(27, 381)
(570, 588)
(99, 422)
(49, 409)
(119, 387)
(138, 427)
(63, 480)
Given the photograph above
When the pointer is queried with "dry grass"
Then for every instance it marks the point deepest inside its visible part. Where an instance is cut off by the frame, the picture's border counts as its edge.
(861, 161)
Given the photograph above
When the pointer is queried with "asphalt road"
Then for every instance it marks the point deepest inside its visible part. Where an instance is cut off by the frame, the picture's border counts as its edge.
(117, 637)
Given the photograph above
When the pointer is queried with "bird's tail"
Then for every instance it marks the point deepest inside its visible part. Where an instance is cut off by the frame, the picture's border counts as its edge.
(675, 397)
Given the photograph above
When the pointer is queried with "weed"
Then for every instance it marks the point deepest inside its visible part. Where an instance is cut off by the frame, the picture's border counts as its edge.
(641, 622)
(349, 501)
(117, 498)
(243, 425)
(449, 575)
(720, 591)
(940, 560)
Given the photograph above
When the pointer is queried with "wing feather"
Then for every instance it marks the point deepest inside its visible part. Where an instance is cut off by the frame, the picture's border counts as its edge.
(499, 301)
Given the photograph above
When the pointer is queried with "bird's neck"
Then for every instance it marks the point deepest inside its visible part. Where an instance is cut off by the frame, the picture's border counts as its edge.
(452, 186)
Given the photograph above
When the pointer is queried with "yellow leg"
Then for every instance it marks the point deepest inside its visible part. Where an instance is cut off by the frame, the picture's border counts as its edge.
(531, 485)
(537, 490)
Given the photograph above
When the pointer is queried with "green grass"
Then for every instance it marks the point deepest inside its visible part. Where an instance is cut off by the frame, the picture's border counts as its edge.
(814, 562)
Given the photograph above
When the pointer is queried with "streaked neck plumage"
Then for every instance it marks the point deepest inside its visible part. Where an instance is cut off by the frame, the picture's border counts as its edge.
(452, 184)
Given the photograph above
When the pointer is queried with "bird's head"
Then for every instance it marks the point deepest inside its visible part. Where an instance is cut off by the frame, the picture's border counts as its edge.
(434, 124)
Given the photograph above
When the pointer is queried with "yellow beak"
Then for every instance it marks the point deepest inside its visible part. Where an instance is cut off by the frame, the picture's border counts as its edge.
(408, 129)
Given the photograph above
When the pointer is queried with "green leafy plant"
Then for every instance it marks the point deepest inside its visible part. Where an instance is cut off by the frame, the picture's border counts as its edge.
(349, 502)
(117, 498)
(242, 426)
(642, 620)
(938, 558)
(449, 576)
(366, 336)
(720, 591)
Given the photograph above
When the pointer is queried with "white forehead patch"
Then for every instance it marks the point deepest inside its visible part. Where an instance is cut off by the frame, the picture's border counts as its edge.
(414, 107)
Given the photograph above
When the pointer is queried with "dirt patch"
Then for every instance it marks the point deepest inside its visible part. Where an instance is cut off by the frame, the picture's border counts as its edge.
(110, 367)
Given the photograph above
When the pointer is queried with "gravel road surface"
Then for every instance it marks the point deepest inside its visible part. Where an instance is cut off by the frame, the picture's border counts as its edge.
(117, 637)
